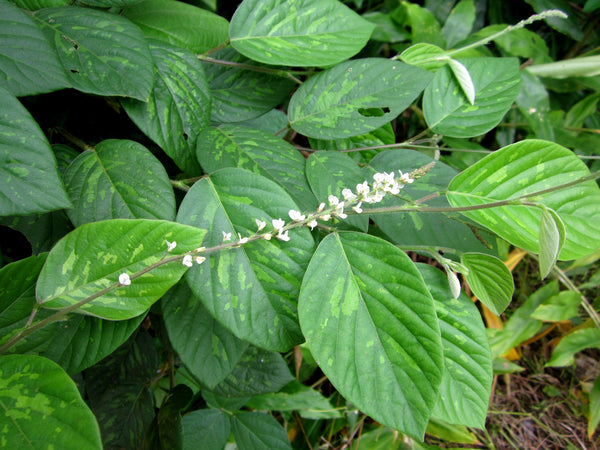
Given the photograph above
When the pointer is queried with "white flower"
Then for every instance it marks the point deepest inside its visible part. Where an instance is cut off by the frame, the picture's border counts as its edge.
(242, 240)
(333, 200)
(187, 260)
(267, 236)
(171, 245)
(325, 217)
(226, 236)
(296, 215)
(339, 211)
(348, 194)
(363, 188)
(321, 207)
(124, 279)
(260, 224)
(199, 259)
(405, 178)
(358, 208)
(278, 224)
(312, 224)
(283, 236)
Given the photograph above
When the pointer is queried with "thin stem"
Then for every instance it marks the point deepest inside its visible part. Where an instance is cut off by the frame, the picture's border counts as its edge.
(564, 279)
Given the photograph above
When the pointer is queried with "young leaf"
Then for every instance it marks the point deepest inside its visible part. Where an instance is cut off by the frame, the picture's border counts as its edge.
(179, 105)
(29, 181)
(298, 32)
(251, 290)
(207, 348)
(370, 323)
(459, 23)
(464, 79)
(179, 24)
(446, 109)
(42, 405)
(523, 168)
(240, 94)
(28, 63)
(254, 430)
(259, 152)
(355, 97)
(102, 53)
(426, 56)
(114, 174)
(559, 307)
(92, 257)
(208, 426)
(563, 354)
(552, 238)
(467, 382)
(490, 280)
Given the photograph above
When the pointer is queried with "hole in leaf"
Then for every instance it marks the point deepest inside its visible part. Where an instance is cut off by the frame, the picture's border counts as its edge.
(74, 71)
(185, 136)
(373, 112)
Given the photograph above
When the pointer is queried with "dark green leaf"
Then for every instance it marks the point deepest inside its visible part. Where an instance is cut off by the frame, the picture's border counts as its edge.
(490, 280)
(92, 257)
(298, 32)
(559, 307)
(255, 431)
(28, 63)
(569, 26)
(29, 181)
(118, 179)
(34, 5)
(108, 3)
(42, 406)
(208, 426)
(259, 152)
(207, 348)
(102, 53)
(423, 25)
(370, 323)
(168, 428)
(563, 354)
(459, 23)
(272, 122)
(42, 230)
(251, 290)
(179, 105)
(328, 105)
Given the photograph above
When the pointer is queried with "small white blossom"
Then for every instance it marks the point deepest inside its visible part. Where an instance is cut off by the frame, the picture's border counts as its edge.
(363, 188)
(357, 208)
(267, 236)
(312, 224)
(348, 195)
(296, 215)
(283, 236)
(171, 245)
(187, 260)
(321, 207)
(333, 200)
(260, 224)
(226, 236)
(405, 178)
(199, 259)
(242, 240)
(325, 217)
(339, 211)
(278, 224)
(124, 279)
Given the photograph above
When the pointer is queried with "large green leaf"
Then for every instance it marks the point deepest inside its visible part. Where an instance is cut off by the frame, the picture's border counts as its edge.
(206, 347)
(28, 64)
(371, 325)
(208, 426)
(179, 105)
(298, 32)
(118, 179)
(240, 94)
(179, 24)
(29, 181)
(34, 5)
(17, 301)
(259, 152)
(459, 23)
(489, 279)
(524, 168)
(447, 110)
(102, 53)
(92, 257)
(251, 290)
(421, 229)
(42, 230)
(467, 382)
(41, 407)
(256, 430)
(355, 97)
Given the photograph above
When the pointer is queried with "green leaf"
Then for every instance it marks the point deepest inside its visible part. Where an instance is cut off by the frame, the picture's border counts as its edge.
(586, 66)
(467, 382)
(594, 418)
(582, 110)
(17, 301)
(179, 24)
(179, 105)
(328, 173)
(42, 230)
(413, 228)
(272, 122)
(490, 280)
(208, 426)
(258, 372)
(334, 103)
(42, 406)
(385, 28)
(381, 438)
(29, 181)
(423, 25)
(523, 168)
(207, 348)
(459, 23)
(108, 3)
(446, 109)
(450, 432)
(166, 429)
(82, 341)
(240, 94)
(255, 430)
(563, 354)
(251, 290)
(294, 396)
(91, 258)
(522, 43)
(34, 5)
(570, 25)
(590, 6)
(28, 64)
(559, 307)
(552, 238)
(426, 56)
(533, 102)
(102, 53)
(298, 32)
(106, 183)
(370, 323)
(464, 79)
(259, 152)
